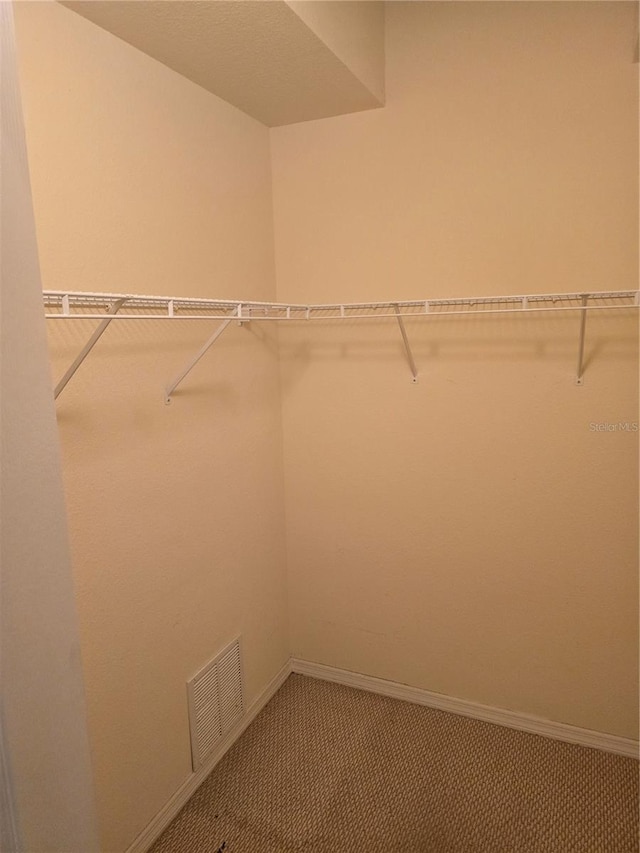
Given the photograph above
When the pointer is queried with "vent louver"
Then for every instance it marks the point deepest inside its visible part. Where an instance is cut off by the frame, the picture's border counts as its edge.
(216, 702)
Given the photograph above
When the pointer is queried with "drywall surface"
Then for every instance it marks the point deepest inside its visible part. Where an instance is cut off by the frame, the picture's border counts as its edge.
(354, 30)
(45, 774)
(474, 534)
(262, 57)
(144, 182)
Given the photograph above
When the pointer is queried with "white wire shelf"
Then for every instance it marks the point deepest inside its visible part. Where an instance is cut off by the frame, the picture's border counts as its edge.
(107, 307)
(97, 306)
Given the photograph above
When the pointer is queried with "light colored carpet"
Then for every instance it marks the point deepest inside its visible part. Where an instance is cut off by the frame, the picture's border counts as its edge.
(329, 768)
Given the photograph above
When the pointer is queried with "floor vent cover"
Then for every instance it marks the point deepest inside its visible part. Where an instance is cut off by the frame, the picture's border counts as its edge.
(215, 702)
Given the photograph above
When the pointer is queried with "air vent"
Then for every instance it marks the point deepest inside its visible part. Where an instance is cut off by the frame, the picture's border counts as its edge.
(215, 702)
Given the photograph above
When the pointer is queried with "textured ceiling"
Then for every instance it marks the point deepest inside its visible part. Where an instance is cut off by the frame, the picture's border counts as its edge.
(259, 56)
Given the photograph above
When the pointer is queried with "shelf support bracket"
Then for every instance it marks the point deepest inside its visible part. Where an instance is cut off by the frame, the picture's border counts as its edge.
(583, 325)
(86, 349)
(209, 343)
(405, 339)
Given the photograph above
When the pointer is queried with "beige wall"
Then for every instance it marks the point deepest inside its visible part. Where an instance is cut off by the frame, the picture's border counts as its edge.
(143, 182)
(470, 534)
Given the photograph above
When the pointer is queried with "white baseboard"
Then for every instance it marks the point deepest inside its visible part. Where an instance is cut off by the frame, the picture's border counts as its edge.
(510, 719)
(188, 788)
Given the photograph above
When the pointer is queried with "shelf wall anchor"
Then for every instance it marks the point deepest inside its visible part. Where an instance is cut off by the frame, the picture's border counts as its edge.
(403, 332)
(86, 349)
(214, 337)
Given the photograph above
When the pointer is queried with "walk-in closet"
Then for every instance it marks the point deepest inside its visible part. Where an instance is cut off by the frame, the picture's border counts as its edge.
(319, 426)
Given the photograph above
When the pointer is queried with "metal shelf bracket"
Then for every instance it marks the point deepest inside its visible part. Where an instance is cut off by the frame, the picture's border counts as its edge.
(86, 349)
(209, 343)
(405, 339)
(583, 326)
